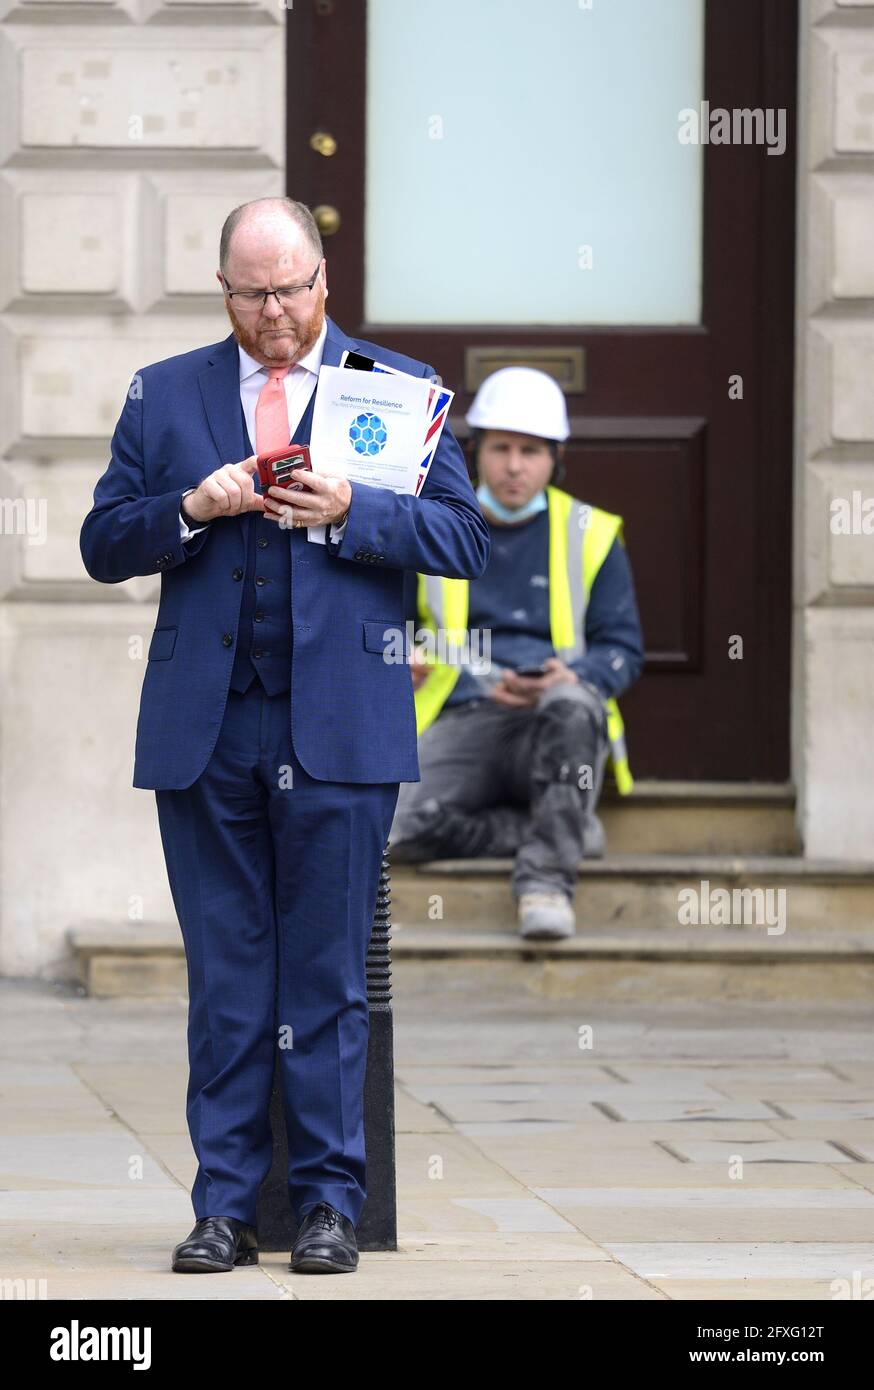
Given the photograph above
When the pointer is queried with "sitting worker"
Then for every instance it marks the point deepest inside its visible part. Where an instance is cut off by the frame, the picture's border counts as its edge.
(516, 720)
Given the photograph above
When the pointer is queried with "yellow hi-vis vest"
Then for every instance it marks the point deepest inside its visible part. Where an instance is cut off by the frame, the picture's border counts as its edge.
(580, 537)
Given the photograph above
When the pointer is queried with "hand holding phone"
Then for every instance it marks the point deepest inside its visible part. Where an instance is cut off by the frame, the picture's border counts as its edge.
(277, 469)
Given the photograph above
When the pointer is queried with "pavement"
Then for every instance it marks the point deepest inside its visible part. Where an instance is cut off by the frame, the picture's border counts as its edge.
(551, 1144)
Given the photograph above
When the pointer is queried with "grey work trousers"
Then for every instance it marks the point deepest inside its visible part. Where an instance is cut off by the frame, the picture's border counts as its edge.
(510, 783)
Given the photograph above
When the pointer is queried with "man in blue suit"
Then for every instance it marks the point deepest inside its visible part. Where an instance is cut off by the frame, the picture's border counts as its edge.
(274, 726)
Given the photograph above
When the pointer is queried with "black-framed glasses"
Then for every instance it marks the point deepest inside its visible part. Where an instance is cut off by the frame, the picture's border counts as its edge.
(256, 299)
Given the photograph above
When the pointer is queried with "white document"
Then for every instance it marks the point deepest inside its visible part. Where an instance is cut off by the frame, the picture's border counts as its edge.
(440, 400)
(368, 427)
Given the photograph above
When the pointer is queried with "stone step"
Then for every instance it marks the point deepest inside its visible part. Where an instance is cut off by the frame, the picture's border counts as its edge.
(701, 818)
(737, 945)
(634, 890)
(833, 905)
(605, 964)
(146, 959)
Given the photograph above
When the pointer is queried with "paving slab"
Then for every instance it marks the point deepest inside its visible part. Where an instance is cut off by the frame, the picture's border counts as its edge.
(577, 1070)
(143, 1096)
(863, 1174)
(720, 1074)
(387, 1277)
(827, 1110)
(848, 1134)
(733, 1197)
(856, 1072)
(637, 1109)
(640, 1136)
(516, 1214)
(565, 1244)
(742, 1260)
(528, 1168)
(746, 1290)
(418, 1116)
(605, 1226)
(176, 1155)
(762, 1151)
(243, 1285)
(861, 1148)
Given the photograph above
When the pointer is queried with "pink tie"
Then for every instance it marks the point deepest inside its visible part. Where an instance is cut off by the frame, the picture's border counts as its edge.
(271, 413)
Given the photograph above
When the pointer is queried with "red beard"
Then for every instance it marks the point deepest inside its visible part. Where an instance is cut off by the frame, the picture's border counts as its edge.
(251, 336)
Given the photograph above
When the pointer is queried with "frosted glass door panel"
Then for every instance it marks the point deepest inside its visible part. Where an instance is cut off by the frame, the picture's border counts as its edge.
(523, 162)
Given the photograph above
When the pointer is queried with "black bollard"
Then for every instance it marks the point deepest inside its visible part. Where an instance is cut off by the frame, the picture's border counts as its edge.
(377, 1229)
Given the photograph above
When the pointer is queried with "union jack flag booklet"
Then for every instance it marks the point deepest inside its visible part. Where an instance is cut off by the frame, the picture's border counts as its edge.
(439, 401)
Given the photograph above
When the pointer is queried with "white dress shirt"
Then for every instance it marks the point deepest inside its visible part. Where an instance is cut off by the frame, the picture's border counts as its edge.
(299, 385)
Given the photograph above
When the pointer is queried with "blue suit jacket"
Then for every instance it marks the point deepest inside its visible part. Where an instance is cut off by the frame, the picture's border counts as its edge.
(352, 712)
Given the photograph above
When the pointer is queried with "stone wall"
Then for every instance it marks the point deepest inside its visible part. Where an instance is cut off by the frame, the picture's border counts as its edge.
(833, 686)
(129, 131)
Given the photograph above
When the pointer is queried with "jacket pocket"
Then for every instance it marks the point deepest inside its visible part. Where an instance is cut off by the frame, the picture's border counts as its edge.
(162, 643)
(388, 638)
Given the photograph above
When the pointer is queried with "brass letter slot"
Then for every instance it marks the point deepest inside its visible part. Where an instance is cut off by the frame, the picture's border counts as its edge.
(566, 364)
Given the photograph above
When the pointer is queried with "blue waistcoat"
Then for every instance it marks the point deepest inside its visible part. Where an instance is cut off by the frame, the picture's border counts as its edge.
(264, 640)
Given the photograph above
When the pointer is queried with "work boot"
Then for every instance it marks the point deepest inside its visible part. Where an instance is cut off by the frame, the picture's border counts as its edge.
(546, 915)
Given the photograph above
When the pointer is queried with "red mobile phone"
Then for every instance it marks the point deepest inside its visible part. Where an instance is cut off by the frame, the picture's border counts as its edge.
(278, 468)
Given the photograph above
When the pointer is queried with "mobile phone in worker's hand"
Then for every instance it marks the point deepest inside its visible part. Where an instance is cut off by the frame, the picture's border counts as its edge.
(278, 468)
(532, 672)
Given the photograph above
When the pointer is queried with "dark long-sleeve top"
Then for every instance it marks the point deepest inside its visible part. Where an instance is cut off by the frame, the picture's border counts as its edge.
(511, 600)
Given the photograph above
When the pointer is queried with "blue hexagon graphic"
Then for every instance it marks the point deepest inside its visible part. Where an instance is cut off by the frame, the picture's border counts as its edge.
(368, 434)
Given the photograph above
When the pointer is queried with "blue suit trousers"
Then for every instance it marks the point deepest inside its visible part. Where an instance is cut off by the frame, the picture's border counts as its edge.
(274, 877)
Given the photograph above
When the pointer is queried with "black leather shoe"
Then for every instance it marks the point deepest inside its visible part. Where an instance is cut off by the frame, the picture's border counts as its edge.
(217, 1243)
(325, 1243)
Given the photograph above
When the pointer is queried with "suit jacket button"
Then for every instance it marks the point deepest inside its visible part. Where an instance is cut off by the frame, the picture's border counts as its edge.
(227, 640)
(237, 573)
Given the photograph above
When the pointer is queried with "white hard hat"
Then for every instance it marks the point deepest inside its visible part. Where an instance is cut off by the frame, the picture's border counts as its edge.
(521, 399)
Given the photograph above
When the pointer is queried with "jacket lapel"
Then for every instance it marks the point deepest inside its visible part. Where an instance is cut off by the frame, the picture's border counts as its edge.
(220, 391)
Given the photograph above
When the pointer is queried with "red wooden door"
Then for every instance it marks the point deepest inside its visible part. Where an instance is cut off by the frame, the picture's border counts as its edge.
(703, 478)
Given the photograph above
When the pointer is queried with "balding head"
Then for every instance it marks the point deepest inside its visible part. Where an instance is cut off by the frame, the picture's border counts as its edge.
(265, 221)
